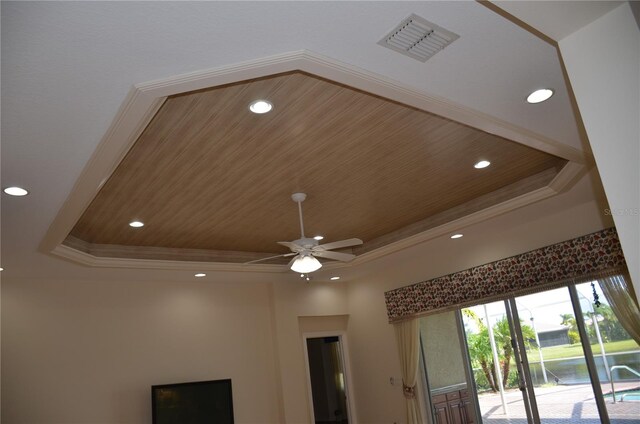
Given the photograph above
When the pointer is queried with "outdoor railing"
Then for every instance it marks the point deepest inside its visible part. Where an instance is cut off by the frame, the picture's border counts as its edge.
(619, 367)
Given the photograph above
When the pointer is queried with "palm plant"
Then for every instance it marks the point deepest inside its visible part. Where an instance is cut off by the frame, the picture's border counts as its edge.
(568, 320)
(480, 347)
(502, 336)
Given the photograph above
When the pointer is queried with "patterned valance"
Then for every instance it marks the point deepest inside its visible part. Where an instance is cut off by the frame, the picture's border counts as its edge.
(591, 256)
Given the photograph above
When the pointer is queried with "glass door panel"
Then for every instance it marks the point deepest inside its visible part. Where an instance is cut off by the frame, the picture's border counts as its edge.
(494, 368)
(616, 355)
(557, 365)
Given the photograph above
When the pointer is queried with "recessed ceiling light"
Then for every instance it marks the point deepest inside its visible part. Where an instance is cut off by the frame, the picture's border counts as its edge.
(260, 106)
(16, 191)
(539, 96)
(456, 236)
(318, 238)
(136, 224)
(1, 269)
(335, 278)
(200, 275)
(482, 164)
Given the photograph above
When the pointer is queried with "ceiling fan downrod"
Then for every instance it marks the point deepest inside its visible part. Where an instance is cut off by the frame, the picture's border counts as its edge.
(299, 198)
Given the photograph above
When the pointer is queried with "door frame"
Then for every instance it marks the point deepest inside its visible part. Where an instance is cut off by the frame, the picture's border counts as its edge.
(588, 354)
(346, 366)
(468, 369)
(522, 362)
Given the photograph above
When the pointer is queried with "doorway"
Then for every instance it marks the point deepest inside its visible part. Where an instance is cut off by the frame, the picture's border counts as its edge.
(327, 379)
(539, 358)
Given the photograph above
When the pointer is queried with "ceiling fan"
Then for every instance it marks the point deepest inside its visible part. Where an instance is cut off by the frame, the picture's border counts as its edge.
(305, 250)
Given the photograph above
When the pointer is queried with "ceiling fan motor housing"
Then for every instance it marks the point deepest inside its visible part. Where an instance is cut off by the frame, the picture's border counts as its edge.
(307, 243)
(298, 197)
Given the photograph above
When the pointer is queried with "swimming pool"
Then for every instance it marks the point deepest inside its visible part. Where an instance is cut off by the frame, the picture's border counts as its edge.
(626, 395)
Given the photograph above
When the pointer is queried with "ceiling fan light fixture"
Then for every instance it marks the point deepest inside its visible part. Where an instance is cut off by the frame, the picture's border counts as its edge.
(260, 106)
(318, 237)
(306, 264)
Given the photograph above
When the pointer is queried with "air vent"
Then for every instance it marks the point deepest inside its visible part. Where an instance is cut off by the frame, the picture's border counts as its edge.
(418, 38)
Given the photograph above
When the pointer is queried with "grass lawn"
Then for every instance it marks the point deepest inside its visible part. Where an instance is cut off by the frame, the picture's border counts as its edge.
(568, 351)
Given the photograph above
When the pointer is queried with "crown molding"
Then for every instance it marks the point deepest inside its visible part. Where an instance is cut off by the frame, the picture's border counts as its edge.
(144, 100)
(87, 259)
(568, 175)
(131, 119)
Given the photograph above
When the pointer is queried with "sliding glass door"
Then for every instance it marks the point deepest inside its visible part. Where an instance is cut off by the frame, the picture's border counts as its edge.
(550, 357)
(558, 377)
(616, 354)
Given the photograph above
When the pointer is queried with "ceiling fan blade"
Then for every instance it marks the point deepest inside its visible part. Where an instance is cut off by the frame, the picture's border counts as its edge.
(338, 244)
(270, 257)
(294, 247)
(344, 257)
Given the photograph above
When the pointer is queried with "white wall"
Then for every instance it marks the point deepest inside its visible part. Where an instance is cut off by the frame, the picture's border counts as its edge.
(603, 63)
(88, 352)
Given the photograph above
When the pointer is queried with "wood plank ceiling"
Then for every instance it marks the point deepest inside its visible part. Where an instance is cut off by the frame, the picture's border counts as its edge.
(208, 174)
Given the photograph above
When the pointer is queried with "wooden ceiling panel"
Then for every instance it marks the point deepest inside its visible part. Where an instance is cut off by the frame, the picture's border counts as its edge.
(208, 174)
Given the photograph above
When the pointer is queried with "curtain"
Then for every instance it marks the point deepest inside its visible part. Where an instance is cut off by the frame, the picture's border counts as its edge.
(621, 297)
(338, 380)
(408, 339)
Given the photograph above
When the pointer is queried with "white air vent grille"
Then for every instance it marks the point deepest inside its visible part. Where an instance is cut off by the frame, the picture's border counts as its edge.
(418, 38)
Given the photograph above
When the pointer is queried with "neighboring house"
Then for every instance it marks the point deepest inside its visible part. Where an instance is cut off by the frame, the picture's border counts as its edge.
(554, 337)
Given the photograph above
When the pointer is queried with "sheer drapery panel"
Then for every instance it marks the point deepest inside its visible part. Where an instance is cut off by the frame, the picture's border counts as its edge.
(624, 303)
(408, 340)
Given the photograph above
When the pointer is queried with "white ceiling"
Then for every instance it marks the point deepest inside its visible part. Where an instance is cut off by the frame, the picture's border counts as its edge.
(557, 19)
(67, 66)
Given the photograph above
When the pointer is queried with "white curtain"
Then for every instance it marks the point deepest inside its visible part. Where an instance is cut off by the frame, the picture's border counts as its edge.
(408, 339)
(622, 299)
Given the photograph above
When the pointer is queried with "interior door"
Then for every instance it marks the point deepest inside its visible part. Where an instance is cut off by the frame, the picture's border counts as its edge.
(327, 379)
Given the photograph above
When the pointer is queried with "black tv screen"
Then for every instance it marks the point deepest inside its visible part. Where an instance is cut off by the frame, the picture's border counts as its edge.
(200, 402)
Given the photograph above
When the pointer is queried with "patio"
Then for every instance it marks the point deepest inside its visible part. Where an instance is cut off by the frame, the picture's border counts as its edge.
(560, 405)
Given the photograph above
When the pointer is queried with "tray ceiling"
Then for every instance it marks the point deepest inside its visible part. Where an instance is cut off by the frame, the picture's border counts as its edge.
(207, 175)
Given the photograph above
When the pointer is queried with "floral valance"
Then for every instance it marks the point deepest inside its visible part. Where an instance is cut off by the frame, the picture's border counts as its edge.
(591, 256)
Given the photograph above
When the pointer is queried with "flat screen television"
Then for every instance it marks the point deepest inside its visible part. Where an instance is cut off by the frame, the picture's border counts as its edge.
(199, 402)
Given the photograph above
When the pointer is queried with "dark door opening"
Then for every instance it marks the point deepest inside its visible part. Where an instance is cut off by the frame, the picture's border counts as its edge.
(326, 373)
